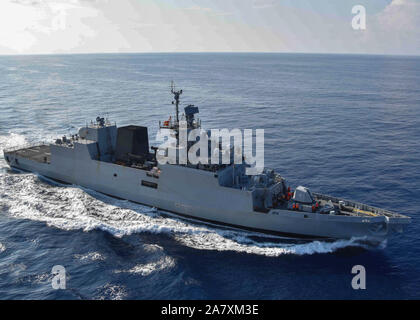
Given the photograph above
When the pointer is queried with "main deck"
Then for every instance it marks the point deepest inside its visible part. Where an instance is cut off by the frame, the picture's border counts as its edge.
(38, 153)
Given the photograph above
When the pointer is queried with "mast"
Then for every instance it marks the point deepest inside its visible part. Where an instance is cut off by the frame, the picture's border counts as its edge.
(176, 97)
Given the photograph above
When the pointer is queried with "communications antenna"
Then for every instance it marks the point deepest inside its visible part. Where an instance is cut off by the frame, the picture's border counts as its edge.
(176, 102)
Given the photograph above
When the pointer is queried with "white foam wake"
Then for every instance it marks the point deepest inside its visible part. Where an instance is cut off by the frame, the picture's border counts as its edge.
(217, 242)
(146, 269)
(91, 256)
(11, 140)
(69, 207)
(112, 292)
(159, 261)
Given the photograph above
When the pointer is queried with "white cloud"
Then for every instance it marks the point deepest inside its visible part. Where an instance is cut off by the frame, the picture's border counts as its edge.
(264, 3)
(25, 24)
(401, 16)
(394, 30)
(45, 26)
(56, 26)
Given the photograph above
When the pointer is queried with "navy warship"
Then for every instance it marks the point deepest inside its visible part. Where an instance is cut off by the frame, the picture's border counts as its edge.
(119, 162)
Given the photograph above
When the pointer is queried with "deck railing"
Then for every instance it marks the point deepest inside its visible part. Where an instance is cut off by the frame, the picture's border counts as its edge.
(354, 204)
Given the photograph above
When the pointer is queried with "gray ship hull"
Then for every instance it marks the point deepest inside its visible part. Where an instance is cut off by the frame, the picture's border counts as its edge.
(197, 194)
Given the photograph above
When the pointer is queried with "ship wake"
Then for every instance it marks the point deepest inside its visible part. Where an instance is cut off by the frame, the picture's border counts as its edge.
(69, 208)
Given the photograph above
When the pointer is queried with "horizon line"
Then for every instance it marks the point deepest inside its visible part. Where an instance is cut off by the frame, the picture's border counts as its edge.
(209, 52)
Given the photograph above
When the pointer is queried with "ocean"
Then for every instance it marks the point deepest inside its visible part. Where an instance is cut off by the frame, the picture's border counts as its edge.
(344, 125)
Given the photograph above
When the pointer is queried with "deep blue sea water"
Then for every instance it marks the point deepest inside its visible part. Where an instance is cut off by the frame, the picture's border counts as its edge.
(344, 125)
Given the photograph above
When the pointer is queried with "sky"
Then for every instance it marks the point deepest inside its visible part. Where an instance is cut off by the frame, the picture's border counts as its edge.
(319, 26)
